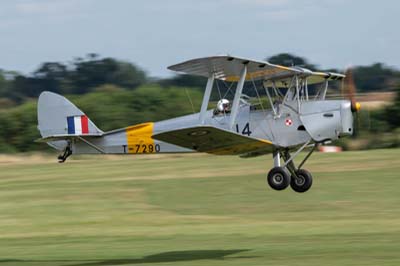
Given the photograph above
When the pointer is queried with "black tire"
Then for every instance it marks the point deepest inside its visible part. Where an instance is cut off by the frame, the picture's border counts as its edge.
(302, 182)
(278, 178)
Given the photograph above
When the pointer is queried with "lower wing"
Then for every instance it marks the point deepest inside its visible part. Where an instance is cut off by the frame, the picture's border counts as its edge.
(215, 141)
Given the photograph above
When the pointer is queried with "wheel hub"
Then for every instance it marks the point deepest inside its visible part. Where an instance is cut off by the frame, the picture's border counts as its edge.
(300, 180)
(278, 179)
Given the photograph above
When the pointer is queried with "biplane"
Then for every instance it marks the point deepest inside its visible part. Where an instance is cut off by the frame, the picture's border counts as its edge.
(288, 118)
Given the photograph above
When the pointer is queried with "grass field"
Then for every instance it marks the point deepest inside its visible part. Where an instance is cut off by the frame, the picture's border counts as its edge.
(198, 210)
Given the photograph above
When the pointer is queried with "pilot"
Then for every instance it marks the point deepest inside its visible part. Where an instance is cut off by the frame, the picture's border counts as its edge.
(223, 106)
(277, 104)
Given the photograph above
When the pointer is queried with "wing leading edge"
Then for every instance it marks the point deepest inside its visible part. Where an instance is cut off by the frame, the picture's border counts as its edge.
(214, 140)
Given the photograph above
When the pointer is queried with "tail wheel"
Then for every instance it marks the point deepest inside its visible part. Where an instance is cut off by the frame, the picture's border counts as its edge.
(302, 181)
(278, 178)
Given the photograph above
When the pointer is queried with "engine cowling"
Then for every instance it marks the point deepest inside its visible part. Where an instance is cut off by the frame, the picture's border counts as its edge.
(327, 120)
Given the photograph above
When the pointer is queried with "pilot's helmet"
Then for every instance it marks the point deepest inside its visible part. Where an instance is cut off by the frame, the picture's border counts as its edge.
(223, 105)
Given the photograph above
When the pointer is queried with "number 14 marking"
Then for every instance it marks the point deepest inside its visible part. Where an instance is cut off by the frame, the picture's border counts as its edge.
(246, 129)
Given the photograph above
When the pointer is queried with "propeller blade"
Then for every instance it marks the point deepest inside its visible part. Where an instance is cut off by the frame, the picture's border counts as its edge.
(349, 90)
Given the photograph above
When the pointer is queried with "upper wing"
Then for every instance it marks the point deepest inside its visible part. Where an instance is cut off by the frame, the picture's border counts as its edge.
(214, 140)
(318, 77)
(229, 68)
(312, 78)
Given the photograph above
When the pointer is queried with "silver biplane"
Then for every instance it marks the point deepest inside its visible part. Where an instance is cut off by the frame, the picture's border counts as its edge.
(290, 119)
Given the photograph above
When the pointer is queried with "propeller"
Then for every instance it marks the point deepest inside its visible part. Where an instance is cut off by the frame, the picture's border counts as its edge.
(349, 90)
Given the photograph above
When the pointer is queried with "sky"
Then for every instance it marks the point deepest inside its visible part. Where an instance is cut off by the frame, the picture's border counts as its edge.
(154, 34)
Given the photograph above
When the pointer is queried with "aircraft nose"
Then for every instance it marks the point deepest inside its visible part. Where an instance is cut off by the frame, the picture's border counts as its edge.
(346, 113)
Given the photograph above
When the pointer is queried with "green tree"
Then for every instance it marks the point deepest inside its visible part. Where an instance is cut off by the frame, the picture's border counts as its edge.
(184, 81)
(81, 76)
(93, 72)
(19, 128)
(3, 84)
(23, 87)
(392, 112)
(376, 77)
(287, 59)
(110, 107)
(127, 75)
(50, 76)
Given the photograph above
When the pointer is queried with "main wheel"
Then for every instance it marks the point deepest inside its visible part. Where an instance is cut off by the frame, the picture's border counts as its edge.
(278, 178)
(302, 182)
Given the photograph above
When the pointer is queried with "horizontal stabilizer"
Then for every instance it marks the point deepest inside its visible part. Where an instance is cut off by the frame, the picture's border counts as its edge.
(65, 137)
(213, 140)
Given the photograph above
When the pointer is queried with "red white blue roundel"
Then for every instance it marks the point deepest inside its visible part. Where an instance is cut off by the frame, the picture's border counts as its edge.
(288, 122)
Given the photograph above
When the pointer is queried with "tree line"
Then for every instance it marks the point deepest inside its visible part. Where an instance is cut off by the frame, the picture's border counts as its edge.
(85, 74)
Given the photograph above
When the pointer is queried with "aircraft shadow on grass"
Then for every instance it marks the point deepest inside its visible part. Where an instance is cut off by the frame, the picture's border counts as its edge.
(172, 256)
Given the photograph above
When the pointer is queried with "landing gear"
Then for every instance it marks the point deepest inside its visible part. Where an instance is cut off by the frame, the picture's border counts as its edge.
(300, 180)
(67, 152)
(278, 178)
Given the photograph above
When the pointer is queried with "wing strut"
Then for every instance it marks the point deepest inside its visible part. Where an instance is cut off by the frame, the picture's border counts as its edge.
(236, 100)
(206, 98)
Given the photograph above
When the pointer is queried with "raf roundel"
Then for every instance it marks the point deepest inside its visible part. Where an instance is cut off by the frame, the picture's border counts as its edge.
(288, 122)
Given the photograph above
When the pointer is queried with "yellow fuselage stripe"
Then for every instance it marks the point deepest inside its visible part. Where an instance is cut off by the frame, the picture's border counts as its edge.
(138, 138)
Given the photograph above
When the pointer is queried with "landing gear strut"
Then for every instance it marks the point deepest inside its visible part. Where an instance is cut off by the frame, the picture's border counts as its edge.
(280, 177)
(67, 152)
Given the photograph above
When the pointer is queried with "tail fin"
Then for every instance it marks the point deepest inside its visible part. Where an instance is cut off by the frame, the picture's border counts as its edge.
(59, 118)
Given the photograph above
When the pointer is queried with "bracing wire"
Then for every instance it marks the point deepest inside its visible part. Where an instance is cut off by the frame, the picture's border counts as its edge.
(228, 87)
(190, 100)
(258, 95)
(219, 91)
